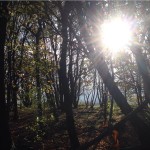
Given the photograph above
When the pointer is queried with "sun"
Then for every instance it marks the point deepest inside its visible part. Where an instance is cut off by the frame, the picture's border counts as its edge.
(116, 34)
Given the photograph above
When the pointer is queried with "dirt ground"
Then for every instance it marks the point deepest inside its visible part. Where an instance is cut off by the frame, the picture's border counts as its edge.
(89, 123)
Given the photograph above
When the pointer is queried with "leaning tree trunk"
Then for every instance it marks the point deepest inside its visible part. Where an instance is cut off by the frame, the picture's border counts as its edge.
(5, 137)
(98, 61)
(145, 73)
(100, 64)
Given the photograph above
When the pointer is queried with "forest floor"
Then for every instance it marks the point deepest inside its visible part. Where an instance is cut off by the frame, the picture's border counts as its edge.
(89, 123)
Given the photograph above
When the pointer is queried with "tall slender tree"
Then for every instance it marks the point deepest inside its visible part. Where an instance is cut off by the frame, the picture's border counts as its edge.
(64, 79)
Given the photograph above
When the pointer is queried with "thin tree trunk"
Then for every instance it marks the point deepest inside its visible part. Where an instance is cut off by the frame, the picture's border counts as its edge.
(9, 82)
(15, 107)
(14, 88)
(37, 70)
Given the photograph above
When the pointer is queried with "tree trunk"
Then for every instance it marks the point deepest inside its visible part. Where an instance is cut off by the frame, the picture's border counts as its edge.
(99, 62)
(14, 87)
(15, 107)
(5, 137)
(37, 72)
(74, 142)
(145, 73)
(9, 82)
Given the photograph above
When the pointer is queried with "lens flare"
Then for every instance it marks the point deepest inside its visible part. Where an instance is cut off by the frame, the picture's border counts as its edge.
(116, 34)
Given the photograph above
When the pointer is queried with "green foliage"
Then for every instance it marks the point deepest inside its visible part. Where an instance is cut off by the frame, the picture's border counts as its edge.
(40, 128)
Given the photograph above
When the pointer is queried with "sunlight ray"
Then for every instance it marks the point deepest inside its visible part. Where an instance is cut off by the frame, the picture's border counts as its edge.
(116, 34)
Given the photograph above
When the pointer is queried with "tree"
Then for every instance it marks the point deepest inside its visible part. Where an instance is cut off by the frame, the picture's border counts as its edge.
(5, 138)
(74, 142)
(53, 56)
(99, 62)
